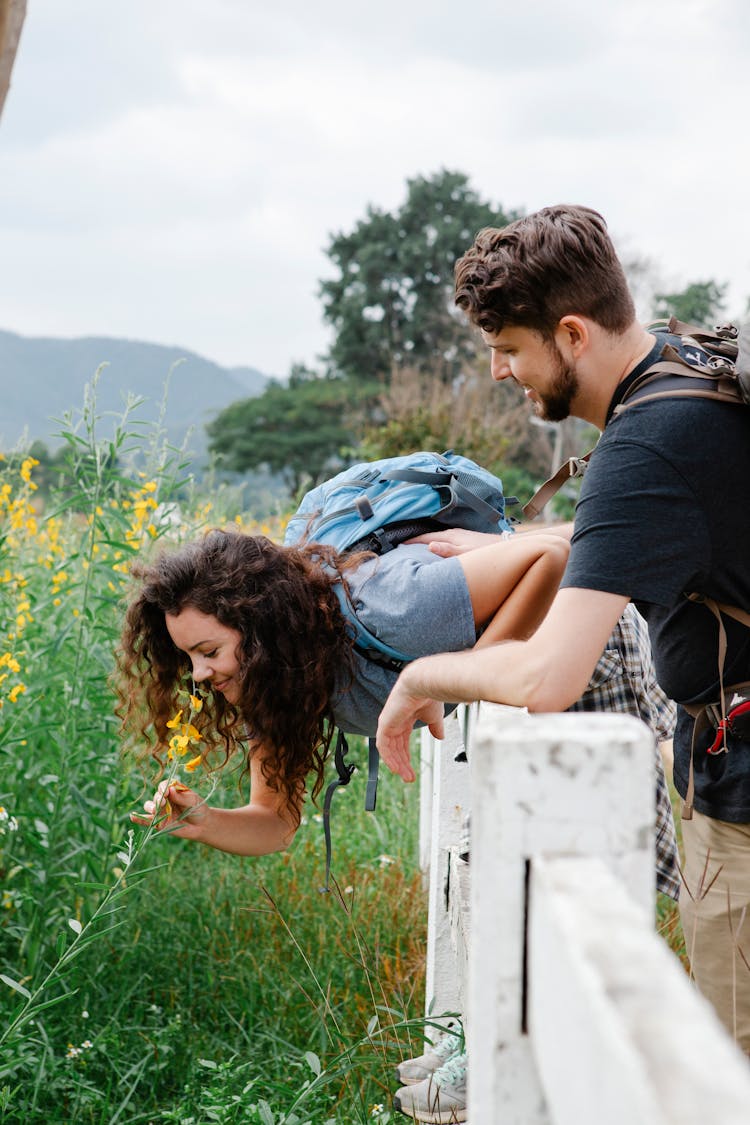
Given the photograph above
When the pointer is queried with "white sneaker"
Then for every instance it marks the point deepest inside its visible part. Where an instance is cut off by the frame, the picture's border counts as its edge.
(414, 1070)
(440, 1098)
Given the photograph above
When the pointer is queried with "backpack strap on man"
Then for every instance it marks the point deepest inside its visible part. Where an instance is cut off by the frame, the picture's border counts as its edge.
(710, 713)
(573, 467)
(719, 369)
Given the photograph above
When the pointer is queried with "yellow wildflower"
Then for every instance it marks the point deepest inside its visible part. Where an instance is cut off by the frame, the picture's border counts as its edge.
(14, 693)
(26, 468)
(196, 703)
(179, 743)
(194, 763)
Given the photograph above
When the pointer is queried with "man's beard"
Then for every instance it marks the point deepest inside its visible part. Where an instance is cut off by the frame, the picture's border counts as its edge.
(554, 406)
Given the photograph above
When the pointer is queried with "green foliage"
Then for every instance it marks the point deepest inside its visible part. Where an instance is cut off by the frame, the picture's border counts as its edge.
(391, 303)
(701, 303)
(302, 430)
(143, 978)
(474, 416)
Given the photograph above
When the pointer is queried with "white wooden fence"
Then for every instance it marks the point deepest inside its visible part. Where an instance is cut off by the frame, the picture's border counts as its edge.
(576, 1012)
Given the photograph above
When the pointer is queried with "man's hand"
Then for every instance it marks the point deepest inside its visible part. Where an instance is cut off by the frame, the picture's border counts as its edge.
(401, 711)
(455, 541)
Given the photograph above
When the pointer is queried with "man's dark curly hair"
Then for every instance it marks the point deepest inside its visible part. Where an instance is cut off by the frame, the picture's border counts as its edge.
(556, 262)
(294, 642)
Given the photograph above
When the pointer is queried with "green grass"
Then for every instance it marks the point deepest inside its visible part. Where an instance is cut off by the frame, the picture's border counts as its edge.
(231, 978)
(157, 980)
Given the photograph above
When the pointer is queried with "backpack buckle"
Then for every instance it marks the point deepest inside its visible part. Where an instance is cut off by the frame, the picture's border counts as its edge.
(577, 466)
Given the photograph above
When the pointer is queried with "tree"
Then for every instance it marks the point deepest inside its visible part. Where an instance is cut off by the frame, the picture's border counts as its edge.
(302, 430)
(391, 304)
(701, 303)
(12, 15)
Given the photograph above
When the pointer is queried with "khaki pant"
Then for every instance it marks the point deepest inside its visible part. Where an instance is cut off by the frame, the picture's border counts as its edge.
(717, 964)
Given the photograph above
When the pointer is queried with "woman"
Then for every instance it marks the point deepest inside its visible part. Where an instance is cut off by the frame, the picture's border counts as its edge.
(260, 626)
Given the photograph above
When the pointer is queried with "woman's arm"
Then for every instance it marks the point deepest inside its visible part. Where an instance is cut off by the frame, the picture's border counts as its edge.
(548, 672)
(264, 825)
(457, 540)
(512, 583)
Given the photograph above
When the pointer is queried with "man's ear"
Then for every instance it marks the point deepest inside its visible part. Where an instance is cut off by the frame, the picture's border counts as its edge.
(572, 336)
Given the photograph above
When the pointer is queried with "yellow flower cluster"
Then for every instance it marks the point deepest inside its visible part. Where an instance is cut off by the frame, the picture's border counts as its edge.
(9, 662)
(188, 735)
(141, 507)
(18, 510)
(50, 547)
(25, 471)
(17, 607)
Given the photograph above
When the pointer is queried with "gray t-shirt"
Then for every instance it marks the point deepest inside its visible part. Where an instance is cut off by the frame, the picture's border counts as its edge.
(414, 601)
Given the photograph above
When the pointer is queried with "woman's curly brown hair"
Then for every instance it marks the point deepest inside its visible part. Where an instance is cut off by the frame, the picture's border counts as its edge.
(294, 642)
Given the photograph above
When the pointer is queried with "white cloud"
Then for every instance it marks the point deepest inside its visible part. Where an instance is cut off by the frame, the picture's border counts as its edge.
(174, 172)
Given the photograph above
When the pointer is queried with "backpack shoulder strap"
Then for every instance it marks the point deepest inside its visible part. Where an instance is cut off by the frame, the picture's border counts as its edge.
(573, 467)
(344, 771)
(701, 712)
(671, 377)
(365, 642)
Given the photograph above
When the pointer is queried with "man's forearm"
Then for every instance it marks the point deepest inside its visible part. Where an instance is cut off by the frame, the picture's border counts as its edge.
(500, 673)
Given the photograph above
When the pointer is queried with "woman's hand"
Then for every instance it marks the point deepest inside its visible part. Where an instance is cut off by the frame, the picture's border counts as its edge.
(455, 541)
(175, 809)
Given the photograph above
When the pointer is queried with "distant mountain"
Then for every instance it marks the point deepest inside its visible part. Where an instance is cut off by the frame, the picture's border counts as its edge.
(43, 378)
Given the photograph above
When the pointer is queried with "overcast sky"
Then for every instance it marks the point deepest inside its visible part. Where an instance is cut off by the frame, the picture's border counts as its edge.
(172, 170)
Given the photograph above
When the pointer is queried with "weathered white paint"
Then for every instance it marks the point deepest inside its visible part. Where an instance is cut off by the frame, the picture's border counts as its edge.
(428, 747)
(459, 918)
(541, 785)
(449, 805)
(618, 1034)
(603, 1025)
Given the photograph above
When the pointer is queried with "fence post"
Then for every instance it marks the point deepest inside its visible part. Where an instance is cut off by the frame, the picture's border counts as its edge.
(619, 1034)
(444, 807)
(541, 785)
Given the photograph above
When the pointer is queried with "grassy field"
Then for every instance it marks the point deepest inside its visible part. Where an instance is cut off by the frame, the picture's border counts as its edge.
(147, 979)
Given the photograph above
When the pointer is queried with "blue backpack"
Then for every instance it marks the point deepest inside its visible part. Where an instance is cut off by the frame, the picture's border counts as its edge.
(374, 506)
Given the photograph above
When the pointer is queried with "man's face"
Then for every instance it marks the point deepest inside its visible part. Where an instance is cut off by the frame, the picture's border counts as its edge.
(548, 380)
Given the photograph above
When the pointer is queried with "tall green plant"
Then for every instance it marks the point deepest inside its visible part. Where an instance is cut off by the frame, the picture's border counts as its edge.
(106, 943)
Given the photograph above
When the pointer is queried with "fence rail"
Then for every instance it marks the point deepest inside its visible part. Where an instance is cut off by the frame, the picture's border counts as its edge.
(575, 1010)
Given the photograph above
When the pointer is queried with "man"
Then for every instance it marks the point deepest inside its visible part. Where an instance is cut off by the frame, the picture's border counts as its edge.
(662, 513)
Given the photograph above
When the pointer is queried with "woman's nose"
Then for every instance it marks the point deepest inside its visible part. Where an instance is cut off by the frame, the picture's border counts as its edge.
(201, 669)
